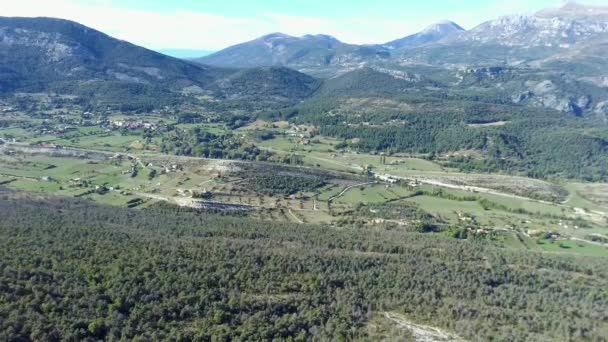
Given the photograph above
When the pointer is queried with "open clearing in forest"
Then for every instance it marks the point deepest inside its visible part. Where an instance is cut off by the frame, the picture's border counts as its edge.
(421, 332)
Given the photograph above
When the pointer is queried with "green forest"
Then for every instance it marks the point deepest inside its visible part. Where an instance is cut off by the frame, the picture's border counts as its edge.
(533, 142)
(199, 143)
(74, 270)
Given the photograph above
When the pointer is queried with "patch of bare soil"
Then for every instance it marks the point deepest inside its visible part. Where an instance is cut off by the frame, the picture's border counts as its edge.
(421, 332)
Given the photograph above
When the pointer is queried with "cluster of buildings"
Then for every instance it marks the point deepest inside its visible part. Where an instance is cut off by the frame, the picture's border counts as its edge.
(386, 178)
(132, 124)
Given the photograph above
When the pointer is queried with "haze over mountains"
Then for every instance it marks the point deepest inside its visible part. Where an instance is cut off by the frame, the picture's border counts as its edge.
(185, 53)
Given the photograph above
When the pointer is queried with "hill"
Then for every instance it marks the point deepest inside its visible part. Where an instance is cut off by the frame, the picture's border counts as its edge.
(167, 274)
(431, 34)
(47, 55)
(265, 87)
(54, 55)
(318, 55)
(555, 58)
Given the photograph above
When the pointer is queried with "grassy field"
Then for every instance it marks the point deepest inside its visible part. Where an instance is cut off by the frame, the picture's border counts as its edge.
(365, 194)
(321, 152)
(14, 132)
(510, 202)
(54, 175)
(211, 128)
(588, 196)
(111, 142)
(446, 206)
(521, 241)
(569, 246)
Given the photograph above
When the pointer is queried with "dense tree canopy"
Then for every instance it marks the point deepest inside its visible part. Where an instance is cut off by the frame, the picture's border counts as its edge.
(78, 271)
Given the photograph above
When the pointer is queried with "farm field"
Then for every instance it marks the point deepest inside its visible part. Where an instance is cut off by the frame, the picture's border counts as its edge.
(577, 247)
(589, 196)
(133, 173)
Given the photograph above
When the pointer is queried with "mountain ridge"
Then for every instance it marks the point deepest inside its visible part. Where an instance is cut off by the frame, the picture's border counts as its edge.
(557, 27)
(71, 58)
(301, 53)
(431, 34)
(65, 57)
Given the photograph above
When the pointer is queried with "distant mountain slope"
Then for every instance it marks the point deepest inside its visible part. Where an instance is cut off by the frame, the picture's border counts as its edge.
(320, 55)
(46, 54)
(429, 35)
(265, 87)
(311, 53)
(556, 58)
(61, 48)
(517, 39)
(560, 29)
(368, 80)
(64, 57)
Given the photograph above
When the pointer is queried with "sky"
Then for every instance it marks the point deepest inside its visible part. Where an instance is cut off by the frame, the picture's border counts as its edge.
(216, 24)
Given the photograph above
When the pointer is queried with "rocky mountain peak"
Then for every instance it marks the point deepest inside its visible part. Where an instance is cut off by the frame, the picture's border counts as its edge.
(573, 9)
(431, 34)
(443, 27)
(556, 27)
(321, 37)
(275, 36)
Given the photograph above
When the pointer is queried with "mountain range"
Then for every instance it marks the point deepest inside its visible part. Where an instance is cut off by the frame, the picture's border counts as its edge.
(552, 59)
(64, 57)
(314, 54)
(519, 39)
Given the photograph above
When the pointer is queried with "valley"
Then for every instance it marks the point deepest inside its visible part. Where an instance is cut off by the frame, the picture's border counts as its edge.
(446, 185)
(338, 186)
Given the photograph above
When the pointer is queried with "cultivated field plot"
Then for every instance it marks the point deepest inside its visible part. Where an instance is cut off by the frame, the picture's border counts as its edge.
(322, 154)
(336, 188)
(115, 178)
(590, 196)
(519, 186)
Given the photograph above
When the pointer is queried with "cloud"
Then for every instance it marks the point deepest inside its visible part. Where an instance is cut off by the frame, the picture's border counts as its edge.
(176, 29)
(196, 30)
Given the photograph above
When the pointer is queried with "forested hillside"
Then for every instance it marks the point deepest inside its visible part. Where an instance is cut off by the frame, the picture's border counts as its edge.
(49, 55)
(74, 270)
(474, 132)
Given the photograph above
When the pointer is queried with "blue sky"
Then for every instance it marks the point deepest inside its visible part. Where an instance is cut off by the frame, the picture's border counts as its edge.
(215, 24)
